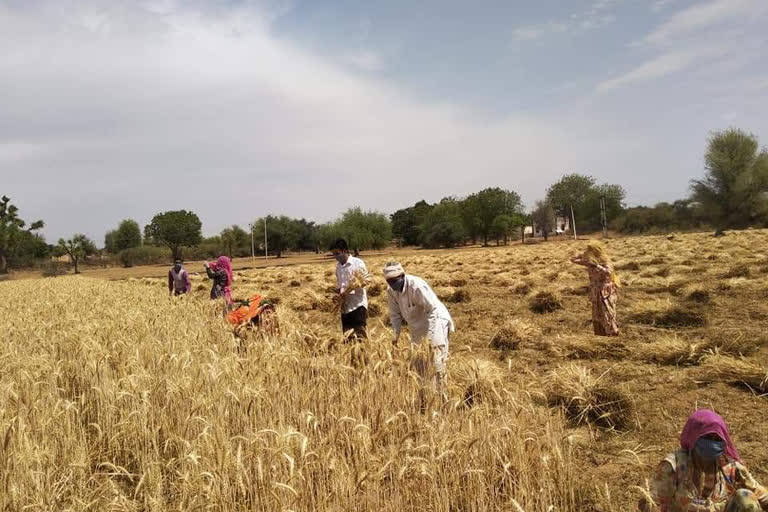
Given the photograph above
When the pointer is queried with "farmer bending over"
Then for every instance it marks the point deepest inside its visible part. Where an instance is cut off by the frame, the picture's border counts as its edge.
(705, 474)
(411, 299)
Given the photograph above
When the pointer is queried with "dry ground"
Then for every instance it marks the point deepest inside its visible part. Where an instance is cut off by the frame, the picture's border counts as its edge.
(540, 412)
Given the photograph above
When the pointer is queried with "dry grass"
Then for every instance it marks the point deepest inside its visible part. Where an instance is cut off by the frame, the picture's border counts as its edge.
(587, 399)
(134, 401)
(737, 371)
(545, 302)
(115, 397)
(514, 333)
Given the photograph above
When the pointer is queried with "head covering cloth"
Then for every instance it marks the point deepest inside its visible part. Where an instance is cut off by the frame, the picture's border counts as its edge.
(393, 269)
(702, 423)
(224, 264)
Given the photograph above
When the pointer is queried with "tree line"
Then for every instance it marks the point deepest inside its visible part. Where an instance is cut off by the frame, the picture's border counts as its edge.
(732, 194)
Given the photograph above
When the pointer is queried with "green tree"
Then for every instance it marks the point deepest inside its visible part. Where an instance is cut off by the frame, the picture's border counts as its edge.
(364, 230)
(11, 230)
(443, 225)
(569, 195)
(613, 197)
(175, 229)
(505, 225)
(77, 248)
(127, 235)
(543, 216)
(406, 223)
(236, 241)
(28, 247)
(283, 233)
(109, 242)
(483, 207)
(733, 192)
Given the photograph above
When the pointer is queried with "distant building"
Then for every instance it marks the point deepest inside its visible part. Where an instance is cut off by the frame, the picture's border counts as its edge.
(562, 227)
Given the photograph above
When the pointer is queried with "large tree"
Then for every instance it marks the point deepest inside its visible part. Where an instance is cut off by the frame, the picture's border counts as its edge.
(126, 236)
(443, 225)
(543, 216)
(283, 233)
(11, 230)
(485, 206)
(236, 241)
(406, 223)
(365, 230)
(569, 195)
(733, 192)
(175, 229)
(77, 248)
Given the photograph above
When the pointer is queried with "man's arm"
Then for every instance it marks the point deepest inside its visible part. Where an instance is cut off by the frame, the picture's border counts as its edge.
(395, 318)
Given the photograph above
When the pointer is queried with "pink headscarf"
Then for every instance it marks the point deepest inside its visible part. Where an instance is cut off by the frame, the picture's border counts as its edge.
(703, 422)
(224, 264)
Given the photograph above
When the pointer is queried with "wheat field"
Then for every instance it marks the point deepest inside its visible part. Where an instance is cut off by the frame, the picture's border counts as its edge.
(114, 396)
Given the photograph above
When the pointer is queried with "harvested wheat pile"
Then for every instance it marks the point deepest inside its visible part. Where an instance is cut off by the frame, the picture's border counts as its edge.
(674, 317)
(545, 302)
(522, 288)
(585, 399)
(737, 271)
(514, 333)
(737, 371)
(310, 300)
(477, 381)
(592, 347)
(695, 293)
(670, 350)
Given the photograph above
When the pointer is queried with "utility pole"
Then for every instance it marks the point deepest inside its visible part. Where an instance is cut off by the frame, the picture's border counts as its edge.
(573, 224)
(603, 217)
(266, 252)
(253, 245)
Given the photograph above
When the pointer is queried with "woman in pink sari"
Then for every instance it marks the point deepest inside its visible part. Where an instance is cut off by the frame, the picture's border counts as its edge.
(706, 474)
(220, 272)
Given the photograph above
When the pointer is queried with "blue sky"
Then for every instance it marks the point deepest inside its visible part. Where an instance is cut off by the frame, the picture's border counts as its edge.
(234, 109)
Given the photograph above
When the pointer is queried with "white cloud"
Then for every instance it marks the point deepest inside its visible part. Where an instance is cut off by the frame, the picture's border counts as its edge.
(594, 17)
(663, 65)
(660, 5)
(178, 110)
(704, 15)
(366, 60)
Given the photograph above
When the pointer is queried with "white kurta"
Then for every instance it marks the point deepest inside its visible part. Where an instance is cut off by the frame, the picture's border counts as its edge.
(418, 305)
(344, 275)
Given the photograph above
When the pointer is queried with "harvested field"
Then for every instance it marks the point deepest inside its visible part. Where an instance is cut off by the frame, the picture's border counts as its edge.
(113, 396)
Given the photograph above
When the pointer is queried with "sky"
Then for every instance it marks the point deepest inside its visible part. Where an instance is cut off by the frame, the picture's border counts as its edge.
(113, 109)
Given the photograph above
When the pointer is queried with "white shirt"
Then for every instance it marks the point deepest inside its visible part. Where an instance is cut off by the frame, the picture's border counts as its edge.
(418, 305)
(346, 274)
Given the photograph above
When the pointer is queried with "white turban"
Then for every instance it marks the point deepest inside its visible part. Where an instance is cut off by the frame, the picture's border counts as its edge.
(393, 269)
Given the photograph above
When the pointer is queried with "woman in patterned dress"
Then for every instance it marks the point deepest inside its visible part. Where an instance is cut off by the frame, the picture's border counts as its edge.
(706, 474)
(603, 287)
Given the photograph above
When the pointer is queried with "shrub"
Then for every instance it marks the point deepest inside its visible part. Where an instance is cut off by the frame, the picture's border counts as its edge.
(145, 255)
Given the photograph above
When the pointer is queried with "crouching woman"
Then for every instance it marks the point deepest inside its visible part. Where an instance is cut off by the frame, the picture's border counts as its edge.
(705, 474)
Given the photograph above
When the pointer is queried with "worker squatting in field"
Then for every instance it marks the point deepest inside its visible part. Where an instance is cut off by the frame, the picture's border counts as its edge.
(706, 474)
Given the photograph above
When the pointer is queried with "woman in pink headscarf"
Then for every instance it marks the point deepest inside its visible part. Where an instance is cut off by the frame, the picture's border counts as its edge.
(220, 272)
(705, 474)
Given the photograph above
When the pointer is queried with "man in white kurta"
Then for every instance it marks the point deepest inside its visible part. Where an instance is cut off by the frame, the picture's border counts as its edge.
(413, 300)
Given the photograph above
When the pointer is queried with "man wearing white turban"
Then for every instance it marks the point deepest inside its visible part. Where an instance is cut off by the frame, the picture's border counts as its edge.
(413, 300)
